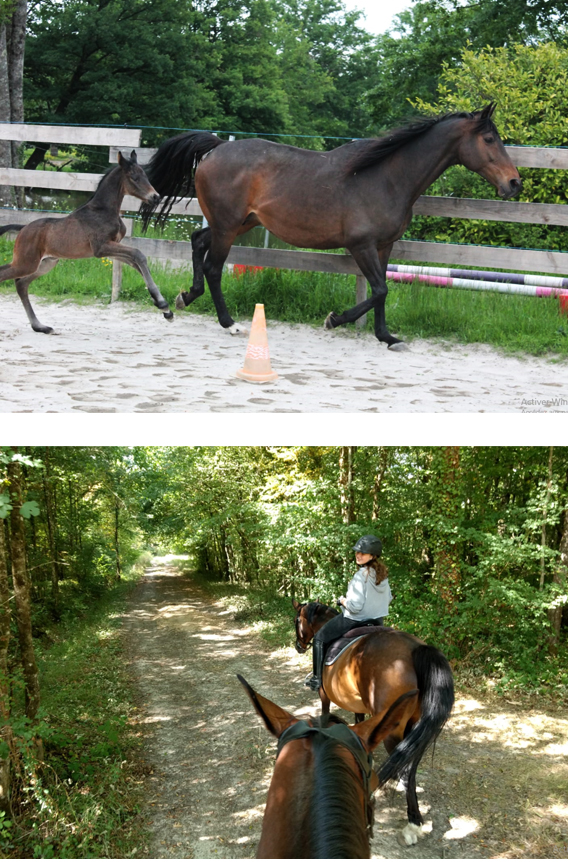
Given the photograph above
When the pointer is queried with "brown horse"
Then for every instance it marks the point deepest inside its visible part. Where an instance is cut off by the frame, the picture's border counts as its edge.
(369, 676)
(93, 230)
(319, 804)
(358, 196)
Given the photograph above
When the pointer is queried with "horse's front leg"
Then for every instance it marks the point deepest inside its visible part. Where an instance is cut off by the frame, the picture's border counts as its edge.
(201, 241)
(373, 266)
(324, 701)
(137, 260)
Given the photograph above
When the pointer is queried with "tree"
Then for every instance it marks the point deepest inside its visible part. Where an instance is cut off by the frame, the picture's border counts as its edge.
(13, 17)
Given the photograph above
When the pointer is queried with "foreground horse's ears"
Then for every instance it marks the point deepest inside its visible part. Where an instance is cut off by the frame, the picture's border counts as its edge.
(296, 605)
(133, 157)
(488, 111)
(375, 729)
(275, 718)
(121, 159)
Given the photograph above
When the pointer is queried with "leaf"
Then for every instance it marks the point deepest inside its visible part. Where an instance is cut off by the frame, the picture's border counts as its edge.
(5, 505)
(30, 508)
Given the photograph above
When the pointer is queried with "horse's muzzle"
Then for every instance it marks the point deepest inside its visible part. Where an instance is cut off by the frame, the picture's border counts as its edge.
(511, 190)
(153, 198)
(301, 648)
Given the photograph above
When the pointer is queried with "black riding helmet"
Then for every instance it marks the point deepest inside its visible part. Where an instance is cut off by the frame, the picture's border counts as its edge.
(369, 545)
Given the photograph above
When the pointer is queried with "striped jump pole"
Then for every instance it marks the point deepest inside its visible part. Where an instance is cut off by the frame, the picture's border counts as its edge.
(482, 275)
(476, 284)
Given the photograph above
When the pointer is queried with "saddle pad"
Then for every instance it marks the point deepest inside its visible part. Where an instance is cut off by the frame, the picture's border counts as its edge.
(336, 648)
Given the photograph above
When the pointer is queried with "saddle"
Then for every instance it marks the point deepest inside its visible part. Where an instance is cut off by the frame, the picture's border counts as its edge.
(337, 647)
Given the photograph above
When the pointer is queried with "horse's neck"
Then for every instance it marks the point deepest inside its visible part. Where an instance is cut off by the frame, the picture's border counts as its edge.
(110, 193)
(420, 162)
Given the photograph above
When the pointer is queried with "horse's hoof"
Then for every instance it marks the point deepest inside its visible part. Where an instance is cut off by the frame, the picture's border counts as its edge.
(330, 323)
(398, 345)
(180, 304)
(411, 834)
(169, 315)
(237, 329)
(47, 330)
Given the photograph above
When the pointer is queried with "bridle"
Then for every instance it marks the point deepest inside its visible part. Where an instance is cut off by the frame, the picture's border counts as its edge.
(345, 736)
(300, 647)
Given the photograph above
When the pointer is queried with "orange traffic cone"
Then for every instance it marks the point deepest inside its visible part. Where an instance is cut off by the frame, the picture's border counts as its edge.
(257, 365)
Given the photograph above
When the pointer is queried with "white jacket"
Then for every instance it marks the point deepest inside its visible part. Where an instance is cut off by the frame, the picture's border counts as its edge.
(364, 598)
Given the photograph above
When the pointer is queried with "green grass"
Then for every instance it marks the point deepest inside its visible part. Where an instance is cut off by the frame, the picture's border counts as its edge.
(84, 801)
(516, 324)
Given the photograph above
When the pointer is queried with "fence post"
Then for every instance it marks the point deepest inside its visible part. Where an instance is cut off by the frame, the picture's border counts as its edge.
(117, 266)
(361, 294)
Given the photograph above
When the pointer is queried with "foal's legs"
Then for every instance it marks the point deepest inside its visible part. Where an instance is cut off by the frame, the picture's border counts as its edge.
(412, 830)
(23, 273)
(374, 266)
(22, 284)
(201, 241)
(137, 260)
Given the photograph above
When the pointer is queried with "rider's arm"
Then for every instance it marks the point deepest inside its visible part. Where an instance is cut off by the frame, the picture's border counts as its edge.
(356, 593)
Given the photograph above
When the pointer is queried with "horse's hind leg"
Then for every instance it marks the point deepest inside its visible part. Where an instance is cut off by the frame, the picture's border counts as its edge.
(22, 285)
(213, 267)
(201, 241)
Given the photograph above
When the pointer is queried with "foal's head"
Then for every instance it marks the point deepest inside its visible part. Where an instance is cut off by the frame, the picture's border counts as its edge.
(135, 181)
(481, 150)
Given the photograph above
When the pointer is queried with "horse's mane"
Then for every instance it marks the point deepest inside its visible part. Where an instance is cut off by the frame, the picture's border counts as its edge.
(338, 829)
(106, 175)
(315, 610)
(374, 150)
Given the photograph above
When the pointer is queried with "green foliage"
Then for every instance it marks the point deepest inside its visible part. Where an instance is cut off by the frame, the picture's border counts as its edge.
(529, 85)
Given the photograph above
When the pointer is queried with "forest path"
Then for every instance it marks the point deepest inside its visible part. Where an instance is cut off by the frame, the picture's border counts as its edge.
(495, 788)
(120, 359)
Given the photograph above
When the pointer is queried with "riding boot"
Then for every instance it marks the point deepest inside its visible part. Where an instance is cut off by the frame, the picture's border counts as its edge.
(315, 681)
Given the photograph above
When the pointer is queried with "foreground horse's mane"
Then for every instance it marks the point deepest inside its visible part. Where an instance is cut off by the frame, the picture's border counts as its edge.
(374, 150)
(337, 828)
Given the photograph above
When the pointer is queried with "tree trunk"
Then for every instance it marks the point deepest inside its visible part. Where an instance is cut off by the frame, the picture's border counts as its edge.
(50, 522)
(559, 577)
(346, 483)
(16, 45)
(21, 581)
(6, 197)
(117, 550)
(5, 732)
(544, 521)
(382, 451)
(447, 561)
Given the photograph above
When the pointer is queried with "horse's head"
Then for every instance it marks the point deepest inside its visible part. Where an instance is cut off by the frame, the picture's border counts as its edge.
(310, 617)
(336, 760)
(481, 150)
(135, 181)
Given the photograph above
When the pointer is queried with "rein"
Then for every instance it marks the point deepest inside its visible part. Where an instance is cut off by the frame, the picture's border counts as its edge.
(343, 735)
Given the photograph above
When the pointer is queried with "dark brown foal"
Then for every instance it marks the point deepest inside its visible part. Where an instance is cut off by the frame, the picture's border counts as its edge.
(94, 230)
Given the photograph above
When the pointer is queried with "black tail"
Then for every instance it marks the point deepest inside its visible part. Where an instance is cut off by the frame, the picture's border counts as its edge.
(171, 171)
(435, 683)
(8, 227)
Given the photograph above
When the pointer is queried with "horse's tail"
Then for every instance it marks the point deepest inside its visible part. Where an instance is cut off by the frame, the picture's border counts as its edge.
(171, 171)
(8, 227)
(436, 692)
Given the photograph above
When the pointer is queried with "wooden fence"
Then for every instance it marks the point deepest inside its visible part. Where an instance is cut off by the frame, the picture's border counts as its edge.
(554, 262)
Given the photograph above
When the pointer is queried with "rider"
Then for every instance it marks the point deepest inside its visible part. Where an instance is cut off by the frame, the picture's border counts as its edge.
(367, 598)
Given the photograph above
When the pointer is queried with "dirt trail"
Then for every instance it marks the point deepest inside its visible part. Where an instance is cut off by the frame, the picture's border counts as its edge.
(494, 789)
(119, 359)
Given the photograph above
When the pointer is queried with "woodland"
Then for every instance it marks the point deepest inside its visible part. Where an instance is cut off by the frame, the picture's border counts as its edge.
(475, 540)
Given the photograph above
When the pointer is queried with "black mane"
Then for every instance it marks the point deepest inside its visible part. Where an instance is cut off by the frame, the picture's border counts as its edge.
(338, 828)
(374, 150)
(314, 611)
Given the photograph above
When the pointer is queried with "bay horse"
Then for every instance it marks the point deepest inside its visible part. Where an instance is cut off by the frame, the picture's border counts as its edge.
(358, 196)
(93, 230)
(369, 676)
(319, 804)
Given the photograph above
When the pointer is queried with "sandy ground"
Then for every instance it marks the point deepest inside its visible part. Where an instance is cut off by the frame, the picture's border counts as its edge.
(494, 789)
(115, 359)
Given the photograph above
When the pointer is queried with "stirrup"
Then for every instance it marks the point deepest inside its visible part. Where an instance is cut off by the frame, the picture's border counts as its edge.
(313, 682)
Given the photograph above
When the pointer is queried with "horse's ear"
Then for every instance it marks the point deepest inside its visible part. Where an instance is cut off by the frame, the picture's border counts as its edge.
(275, 718)
(488, 111)
(133, 157)
(121, 159)
(296, 605)
(376, 728)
